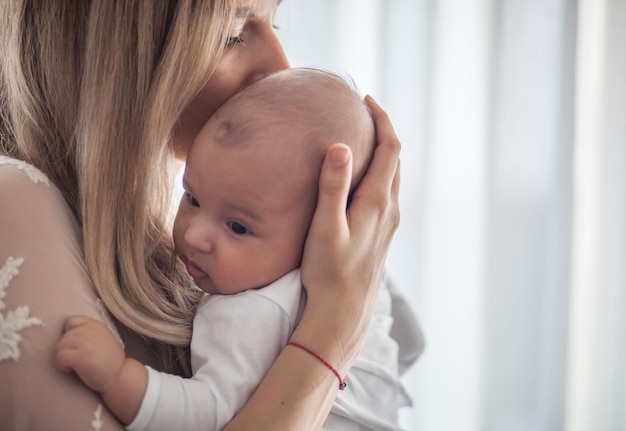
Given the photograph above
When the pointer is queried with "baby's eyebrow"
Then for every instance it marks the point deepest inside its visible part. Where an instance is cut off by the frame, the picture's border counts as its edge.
(247, 211)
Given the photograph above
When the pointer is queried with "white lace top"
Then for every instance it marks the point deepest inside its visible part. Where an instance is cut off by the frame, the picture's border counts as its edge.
(43, 280)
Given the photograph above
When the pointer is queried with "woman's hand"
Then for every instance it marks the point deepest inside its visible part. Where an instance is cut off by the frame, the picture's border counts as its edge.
(342, 269)
(345, 251)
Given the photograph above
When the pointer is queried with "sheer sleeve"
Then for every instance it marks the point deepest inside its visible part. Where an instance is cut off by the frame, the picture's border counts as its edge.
(43, 280)
(405, 329)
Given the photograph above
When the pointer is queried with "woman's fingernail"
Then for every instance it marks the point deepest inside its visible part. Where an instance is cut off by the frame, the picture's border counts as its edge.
(339, 156)
(371, 100)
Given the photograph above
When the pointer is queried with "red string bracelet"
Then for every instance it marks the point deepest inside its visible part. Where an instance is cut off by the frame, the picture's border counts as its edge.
(342, 381)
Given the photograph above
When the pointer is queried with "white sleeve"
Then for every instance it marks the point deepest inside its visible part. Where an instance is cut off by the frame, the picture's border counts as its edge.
(148, 403)
(235, 341)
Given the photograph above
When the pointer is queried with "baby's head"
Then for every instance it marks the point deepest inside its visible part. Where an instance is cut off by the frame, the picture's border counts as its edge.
(252, 174)
(298, 114)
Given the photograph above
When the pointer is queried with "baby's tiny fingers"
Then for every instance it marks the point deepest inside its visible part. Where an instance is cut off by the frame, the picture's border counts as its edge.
(74, 322)
(63, 359)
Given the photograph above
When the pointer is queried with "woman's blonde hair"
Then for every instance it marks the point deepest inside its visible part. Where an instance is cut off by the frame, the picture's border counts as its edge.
(89, 93)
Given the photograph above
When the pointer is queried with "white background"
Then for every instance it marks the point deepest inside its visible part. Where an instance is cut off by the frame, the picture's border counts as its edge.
(512, 245)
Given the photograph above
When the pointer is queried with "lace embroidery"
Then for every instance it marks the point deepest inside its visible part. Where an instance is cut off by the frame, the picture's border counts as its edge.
(96, 423)
(35, 175)
(8, 271)
(15, 320)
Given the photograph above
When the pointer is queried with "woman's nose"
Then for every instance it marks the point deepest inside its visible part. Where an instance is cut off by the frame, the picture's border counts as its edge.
(270, 57)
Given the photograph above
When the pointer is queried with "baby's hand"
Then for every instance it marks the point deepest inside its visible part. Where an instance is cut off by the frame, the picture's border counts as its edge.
(91, 350)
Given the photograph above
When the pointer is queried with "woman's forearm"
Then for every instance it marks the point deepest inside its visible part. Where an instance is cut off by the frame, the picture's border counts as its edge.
(342, 269)
(298, 391)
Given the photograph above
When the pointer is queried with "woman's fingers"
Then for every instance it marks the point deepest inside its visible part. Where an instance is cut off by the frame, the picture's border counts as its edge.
(327, 247)
(395, 185)
(382, 170)
(355, 241)
(374, 206)
(334, 186)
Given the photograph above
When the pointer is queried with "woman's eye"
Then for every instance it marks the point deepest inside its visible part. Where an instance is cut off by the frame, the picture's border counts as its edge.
(238, 228)
(234, 40)
(191, 200)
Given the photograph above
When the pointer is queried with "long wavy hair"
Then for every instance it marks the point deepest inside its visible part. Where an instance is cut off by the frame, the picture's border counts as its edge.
(90, 91)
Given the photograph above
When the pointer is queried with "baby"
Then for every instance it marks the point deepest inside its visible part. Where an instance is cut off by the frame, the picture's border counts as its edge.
(250, 185)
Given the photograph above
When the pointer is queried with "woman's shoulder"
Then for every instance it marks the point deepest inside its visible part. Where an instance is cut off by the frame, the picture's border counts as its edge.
(35, 220)
(28, 195)
(36, 223)
(43, 279)
(14, 170)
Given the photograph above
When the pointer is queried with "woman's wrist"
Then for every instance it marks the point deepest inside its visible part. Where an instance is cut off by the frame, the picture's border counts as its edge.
(333, 327)
(298, 391)
(331, 367)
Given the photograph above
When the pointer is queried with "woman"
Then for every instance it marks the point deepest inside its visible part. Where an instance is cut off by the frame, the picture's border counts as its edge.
(99, 96)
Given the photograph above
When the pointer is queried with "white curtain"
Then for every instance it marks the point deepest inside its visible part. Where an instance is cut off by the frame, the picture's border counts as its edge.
(512, 245)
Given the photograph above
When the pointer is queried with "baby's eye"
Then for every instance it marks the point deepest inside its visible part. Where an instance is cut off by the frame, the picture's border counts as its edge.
(191, 200)
(238, 228)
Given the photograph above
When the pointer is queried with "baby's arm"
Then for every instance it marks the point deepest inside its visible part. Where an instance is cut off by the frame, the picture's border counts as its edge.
(92, 351)
(236, 338)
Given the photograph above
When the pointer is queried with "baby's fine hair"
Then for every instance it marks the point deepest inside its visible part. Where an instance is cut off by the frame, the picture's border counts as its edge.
(324, 106)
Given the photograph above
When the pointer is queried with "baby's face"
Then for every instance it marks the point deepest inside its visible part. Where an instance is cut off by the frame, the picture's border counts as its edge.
(239, 224)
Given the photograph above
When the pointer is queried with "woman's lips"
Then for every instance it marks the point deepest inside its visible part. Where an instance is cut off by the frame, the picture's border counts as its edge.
(195, 271)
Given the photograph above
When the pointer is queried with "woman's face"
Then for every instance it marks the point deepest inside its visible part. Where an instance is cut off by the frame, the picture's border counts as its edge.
(253, 52)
